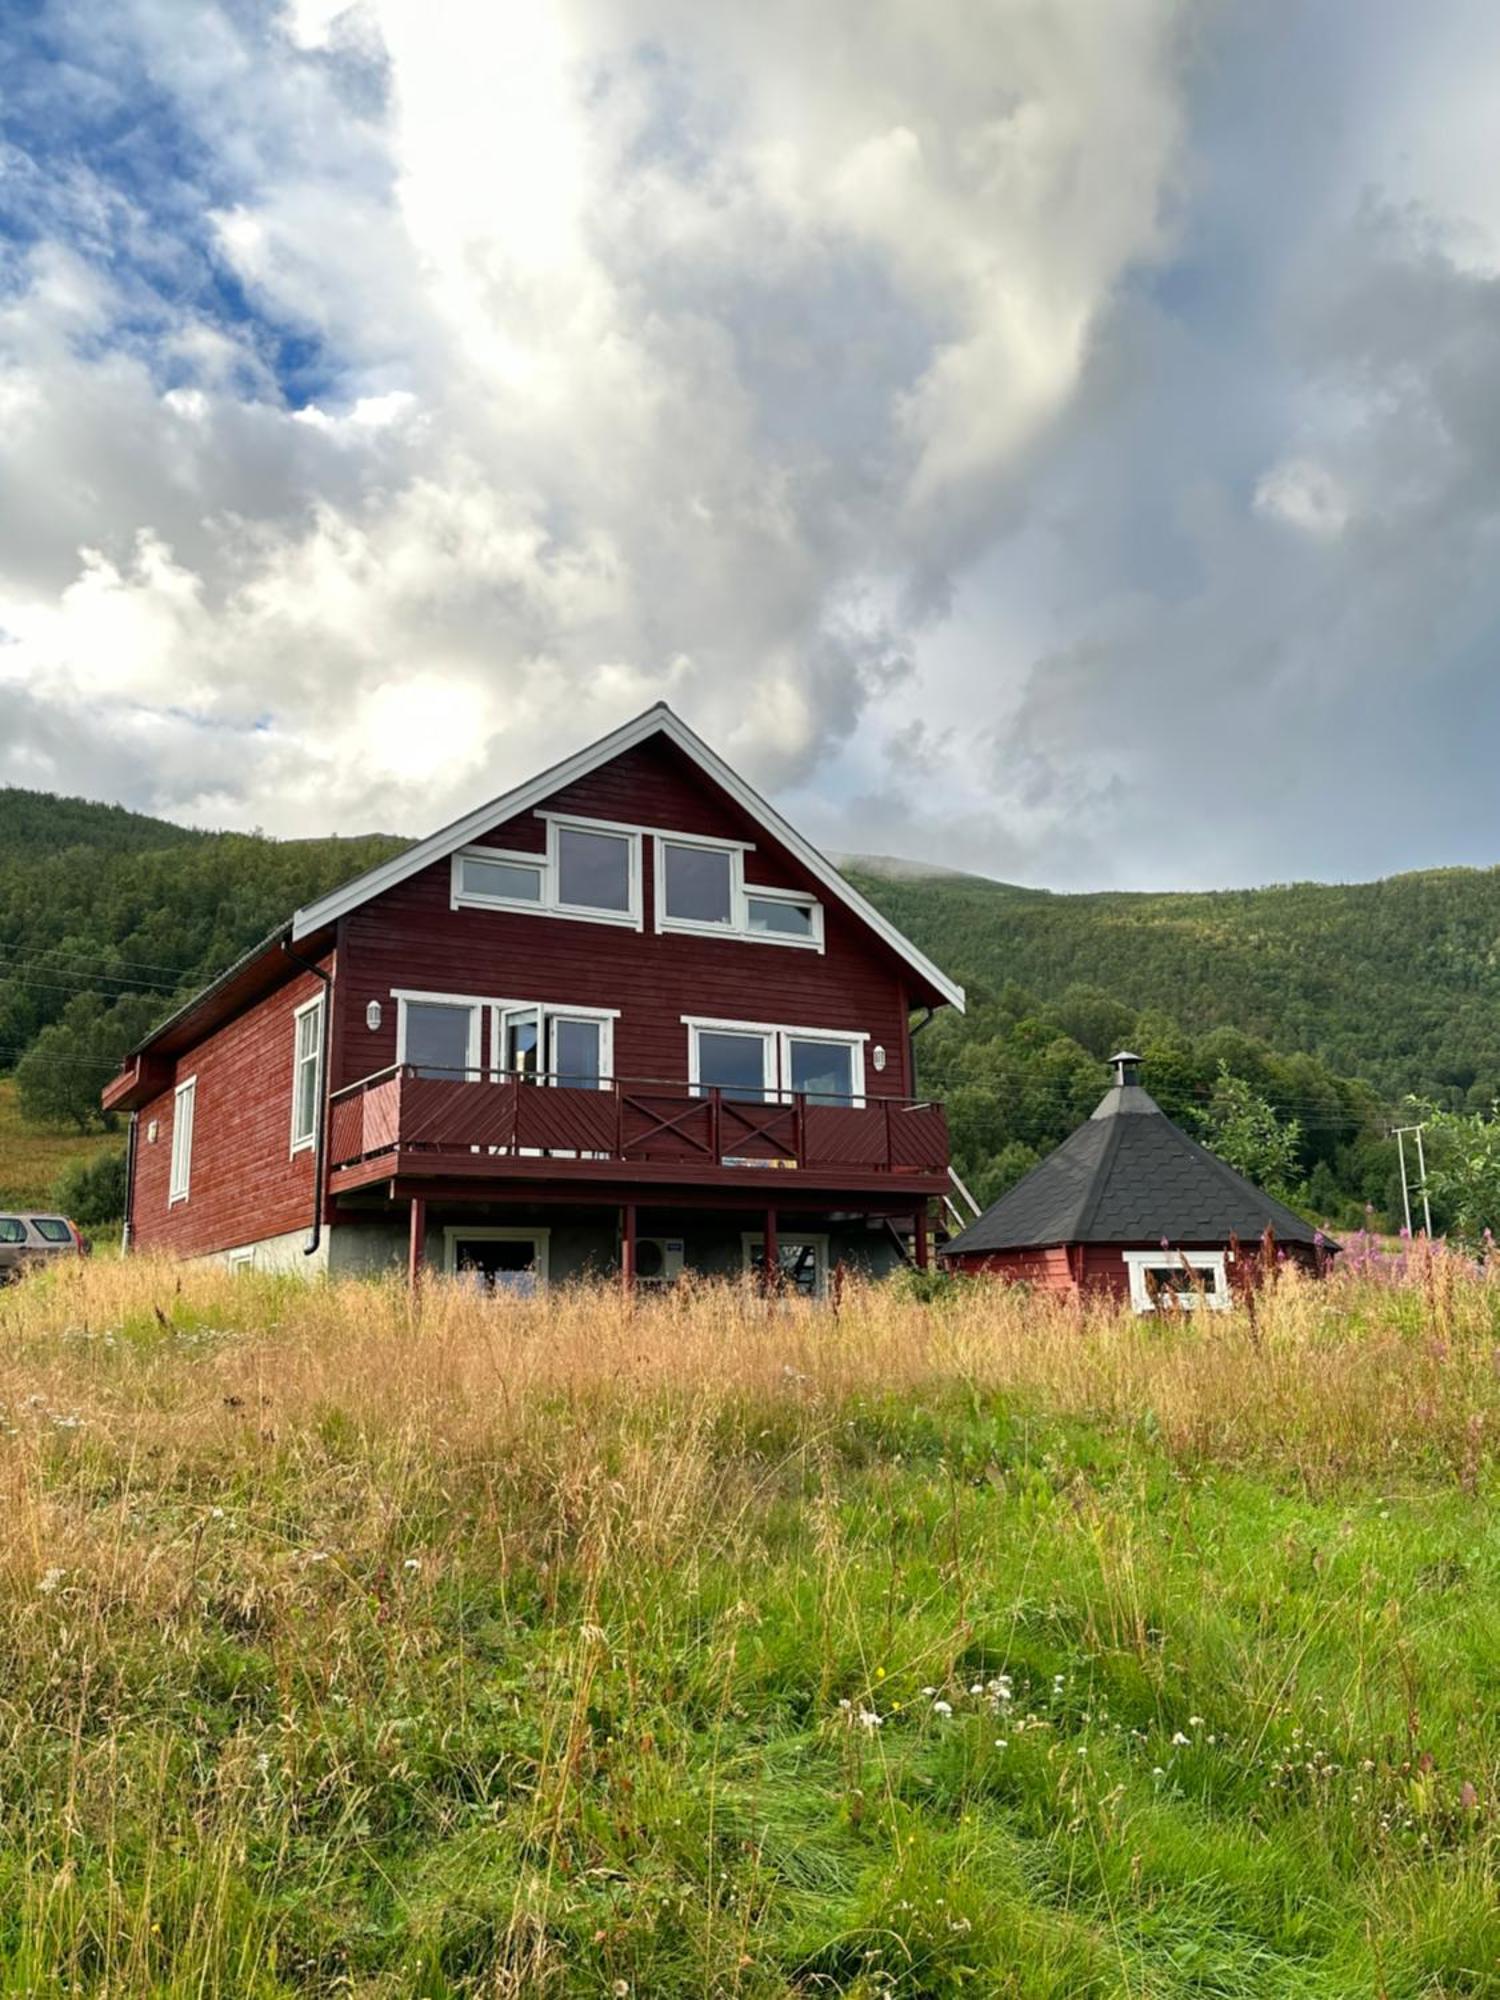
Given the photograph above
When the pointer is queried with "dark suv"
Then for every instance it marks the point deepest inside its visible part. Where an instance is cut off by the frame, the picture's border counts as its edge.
(27, 1239)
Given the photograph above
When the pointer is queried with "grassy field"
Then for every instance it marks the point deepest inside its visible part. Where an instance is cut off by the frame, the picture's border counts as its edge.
(31, 1160)
(349, 1646)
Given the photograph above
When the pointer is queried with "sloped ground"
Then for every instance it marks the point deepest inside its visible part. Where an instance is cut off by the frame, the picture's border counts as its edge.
(546, 1648)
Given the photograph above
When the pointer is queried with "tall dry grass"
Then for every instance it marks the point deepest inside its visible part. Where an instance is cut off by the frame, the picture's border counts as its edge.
(305, 1582)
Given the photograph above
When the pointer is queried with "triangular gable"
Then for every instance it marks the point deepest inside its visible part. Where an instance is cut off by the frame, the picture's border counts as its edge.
(656, 721)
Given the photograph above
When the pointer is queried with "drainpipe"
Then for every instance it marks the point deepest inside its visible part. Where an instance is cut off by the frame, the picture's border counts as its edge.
(320, 1130)
(127, 1233)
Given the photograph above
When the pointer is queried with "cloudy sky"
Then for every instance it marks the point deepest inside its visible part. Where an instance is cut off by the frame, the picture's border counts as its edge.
(1059, 438)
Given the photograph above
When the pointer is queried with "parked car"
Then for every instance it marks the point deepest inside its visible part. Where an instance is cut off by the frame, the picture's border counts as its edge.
(27, 1240)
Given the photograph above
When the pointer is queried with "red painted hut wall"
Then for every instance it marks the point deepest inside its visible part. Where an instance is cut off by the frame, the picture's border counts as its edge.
(1046, 1269)
(245, 1184)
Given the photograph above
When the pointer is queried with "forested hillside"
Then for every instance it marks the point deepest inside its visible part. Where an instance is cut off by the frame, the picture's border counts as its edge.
(1316, 1008)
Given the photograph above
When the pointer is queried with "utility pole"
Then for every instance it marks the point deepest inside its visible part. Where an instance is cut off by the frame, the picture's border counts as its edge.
(1400, 1138)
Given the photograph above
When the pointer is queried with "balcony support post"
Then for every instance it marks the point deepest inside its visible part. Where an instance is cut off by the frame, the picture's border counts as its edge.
(771, 1256)
(923, 1244)
(416, 1241)
(627, 1248)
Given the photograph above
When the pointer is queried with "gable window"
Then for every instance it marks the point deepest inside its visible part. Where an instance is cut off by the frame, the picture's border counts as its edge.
(701, 886)
(438, 1034)
(482, 877)
(760, 1062)
(696, 885)
(784, 916)
(591, 871)
(1177, 1280)
(307, 1064)
(182, 1141)
(594, 870)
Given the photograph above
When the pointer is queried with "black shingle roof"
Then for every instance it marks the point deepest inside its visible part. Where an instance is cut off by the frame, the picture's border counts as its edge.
(1129, 1175)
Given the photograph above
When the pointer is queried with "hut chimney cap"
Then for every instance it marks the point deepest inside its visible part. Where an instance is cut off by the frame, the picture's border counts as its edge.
(1127, 1067)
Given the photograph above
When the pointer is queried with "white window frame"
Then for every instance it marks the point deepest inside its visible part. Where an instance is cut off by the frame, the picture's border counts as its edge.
(740, 892)
(180, 1176)
(466, 899)
(812, 942)
(548, 1012)
(1215, 1262)
(753, 1247)
(406, 996)
(775, 1067)
(550, 903)
(304, 1142)
(540, 1238)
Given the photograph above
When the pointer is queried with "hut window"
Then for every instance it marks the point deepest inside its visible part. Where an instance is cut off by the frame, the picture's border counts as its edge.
(1177, 1280)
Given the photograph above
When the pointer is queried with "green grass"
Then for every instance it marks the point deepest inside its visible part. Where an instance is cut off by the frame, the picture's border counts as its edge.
(348, 1648)
(31, 1159)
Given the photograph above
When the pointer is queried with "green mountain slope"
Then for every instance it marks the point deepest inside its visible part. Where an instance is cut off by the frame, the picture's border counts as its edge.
(1395, 981)
(40, 823)
(1332, 1002)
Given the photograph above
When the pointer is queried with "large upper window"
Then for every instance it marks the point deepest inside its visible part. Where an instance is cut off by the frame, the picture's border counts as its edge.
(182, 1140)
(594, 870)
(591, 870)
(697, 883)
(701, 886)
(747, 1059)
(307, 1059)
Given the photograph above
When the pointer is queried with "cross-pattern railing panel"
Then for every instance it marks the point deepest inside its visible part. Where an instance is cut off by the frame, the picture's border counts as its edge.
(647, 1123)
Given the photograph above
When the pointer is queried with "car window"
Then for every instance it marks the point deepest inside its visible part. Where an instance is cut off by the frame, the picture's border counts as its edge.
(12, 1229)
(52, 1229)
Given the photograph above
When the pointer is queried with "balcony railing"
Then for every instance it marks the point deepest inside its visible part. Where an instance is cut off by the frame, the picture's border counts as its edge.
(407, 1113)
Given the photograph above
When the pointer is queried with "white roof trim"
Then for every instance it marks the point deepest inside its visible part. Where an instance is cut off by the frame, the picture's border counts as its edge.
(658, 720)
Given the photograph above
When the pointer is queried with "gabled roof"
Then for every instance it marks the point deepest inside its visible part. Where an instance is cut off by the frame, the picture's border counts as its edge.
(657, 721)
(1129, 1175)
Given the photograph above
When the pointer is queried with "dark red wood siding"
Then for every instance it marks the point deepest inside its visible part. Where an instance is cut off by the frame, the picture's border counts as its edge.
(245, 1184)
(410, 937)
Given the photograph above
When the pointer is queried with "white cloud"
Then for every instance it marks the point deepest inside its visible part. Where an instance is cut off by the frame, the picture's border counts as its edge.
(1304, 495)
(666, 350)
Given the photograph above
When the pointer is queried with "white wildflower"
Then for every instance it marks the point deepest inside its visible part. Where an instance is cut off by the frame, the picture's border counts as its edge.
(869, 1720)
(50, 1581)
(1185, 1742)
(412, 1562)
(942, 1708)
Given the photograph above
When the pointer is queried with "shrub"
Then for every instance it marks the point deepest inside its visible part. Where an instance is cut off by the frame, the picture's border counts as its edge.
(92, 1191)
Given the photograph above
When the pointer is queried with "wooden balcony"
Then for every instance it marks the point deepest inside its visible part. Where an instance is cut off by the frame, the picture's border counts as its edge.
(411, 1125)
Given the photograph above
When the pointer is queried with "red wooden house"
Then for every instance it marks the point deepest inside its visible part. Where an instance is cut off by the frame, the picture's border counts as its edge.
(623, 1018)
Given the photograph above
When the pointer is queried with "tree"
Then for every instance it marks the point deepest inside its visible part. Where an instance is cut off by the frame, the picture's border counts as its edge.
(1247, 1135)
(59, 1079)
(1463, 1172)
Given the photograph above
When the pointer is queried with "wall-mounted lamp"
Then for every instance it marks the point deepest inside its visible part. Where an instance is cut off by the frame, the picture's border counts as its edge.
(372, 1016)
